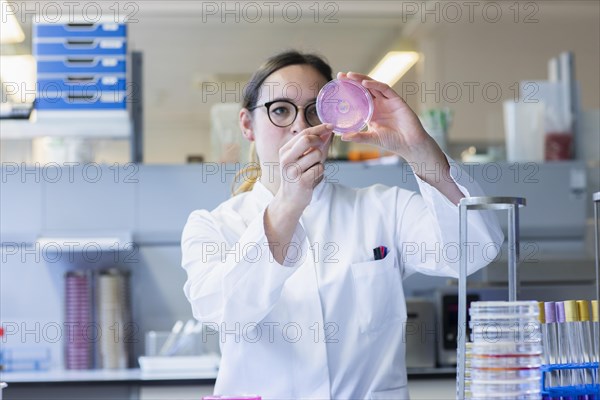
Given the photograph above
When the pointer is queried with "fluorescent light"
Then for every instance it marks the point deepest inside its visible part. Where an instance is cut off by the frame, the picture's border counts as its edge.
(10, 30)
(393, 66)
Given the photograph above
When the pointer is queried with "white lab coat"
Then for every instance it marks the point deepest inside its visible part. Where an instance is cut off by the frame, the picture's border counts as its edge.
(329, 322)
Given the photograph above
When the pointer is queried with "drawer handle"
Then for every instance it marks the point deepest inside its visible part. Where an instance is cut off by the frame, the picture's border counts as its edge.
(80, 97)
(80, 60)
(80, 78)
(80, 25)
(80, 42)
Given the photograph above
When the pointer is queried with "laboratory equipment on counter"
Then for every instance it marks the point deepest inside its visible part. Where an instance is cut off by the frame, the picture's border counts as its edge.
(506, 349)
(345, 104)
(183, 350)
(512, 204)
(574, 371)
(578, 366)
(420, 333)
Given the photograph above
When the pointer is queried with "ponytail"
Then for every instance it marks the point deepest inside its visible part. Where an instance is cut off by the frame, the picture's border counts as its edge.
(248, 175)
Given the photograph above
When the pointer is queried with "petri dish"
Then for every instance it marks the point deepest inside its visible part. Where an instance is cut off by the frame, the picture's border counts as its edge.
(485, 374)
(492, 310)
(512, 360)
(504, 349)
(345, 104)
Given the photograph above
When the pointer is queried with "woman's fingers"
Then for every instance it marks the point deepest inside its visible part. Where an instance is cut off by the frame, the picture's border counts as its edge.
(358, 77)
(312, 158)
(313, 173)
(383, 89)
(358, 137)
(377, 89)
(318, 130)
(311, 137)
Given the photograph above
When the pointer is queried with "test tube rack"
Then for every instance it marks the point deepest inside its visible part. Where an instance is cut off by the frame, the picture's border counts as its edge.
(575, 392)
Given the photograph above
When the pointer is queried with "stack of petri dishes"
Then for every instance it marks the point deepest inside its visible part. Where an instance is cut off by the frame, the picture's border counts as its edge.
(504, 357)
(113, 318)
(78, 316)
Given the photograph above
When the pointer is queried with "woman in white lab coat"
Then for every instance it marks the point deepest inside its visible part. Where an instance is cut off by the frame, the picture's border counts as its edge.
(285, 269)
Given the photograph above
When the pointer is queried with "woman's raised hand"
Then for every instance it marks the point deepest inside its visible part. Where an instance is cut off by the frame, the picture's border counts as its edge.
(394, 126)
(301, 165)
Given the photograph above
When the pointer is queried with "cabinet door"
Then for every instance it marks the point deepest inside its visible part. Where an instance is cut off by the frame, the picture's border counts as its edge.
(167, 195)
(90, 197)
(20, 204)
(175, 392)
(432, 389)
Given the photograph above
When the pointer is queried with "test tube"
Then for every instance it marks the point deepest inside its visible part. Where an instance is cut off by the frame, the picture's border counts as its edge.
(564, 350)
(575, 340)
(585, 330)
(550, 340)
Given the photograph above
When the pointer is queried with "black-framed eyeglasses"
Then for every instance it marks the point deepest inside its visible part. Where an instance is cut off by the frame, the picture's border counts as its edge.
(283, 113)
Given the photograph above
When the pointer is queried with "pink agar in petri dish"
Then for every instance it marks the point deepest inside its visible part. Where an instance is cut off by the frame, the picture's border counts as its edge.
(345, 104)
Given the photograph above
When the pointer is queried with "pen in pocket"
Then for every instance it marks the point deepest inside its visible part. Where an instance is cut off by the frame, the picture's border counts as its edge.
(380, 252)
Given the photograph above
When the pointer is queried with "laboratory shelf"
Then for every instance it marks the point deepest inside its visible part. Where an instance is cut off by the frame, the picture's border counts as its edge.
(92, 124)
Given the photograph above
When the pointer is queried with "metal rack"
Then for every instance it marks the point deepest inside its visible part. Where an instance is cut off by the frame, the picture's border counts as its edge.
(596, 199)
(512, 205)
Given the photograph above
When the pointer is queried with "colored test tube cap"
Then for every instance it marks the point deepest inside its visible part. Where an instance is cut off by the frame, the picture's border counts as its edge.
(550, 312)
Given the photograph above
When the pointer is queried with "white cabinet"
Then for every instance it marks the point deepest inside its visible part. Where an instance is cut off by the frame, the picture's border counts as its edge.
(432, 389)
(174, 392)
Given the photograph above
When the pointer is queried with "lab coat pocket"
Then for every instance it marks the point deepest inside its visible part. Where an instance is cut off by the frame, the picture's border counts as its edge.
(400, 393)
(377, 293)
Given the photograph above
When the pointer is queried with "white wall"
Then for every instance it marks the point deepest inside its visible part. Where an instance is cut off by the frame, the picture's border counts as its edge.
(503, 53)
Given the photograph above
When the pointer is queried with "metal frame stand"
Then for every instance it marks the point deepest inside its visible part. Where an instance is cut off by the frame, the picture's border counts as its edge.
(512, 204)
(596, 199)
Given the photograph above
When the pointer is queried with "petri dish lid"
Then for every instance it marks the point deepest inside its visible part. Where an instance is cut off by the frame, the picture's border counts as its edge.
(503, 309)
(345, 104)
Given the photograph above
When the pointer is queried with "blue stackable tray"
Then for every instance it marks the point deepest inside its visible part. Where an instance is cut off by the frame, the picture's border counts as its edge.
(80, 46)
(572, 392)
(72, 30)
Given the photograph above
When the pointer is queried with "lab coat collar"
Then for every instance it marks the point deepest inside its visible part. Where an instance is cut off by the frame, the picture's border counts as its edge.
(265, 196)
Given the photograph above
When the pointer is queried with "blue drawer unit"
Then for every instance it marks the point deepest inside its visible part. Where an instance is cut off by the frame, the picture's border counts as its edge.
(81, 64)
(81, 83)
(79, 30)
(98, 101)
(80, 46)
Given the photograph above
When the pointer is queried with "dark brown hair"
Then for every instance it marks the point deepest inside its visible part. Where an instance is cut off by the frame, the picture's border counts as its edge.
(278, 62)
(252, 172)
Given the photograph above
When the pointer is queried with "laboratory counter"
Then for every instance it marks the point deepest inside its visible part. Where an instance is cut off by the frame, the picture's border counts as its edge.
(135, 376)
(133, 384)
